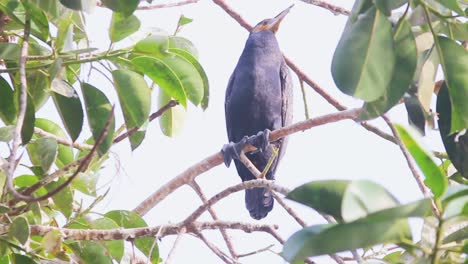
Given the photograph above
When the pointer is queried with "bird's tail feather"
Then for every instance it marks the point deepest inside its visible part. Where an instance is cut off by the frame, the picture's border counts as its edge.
(259, 202)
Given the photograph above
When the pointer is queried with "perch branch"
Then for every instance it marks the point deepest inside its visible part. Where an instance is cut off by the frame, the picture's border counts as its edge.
(216, 159)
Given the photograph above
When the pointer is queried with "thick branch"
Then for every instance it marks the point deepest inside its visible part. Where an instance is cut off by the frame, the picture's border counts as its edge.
(131, 233)
(216, 159)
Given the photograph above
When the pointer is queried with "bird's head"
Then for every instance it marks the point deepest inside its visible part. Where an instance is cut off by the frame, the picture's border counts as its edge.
(271, 24)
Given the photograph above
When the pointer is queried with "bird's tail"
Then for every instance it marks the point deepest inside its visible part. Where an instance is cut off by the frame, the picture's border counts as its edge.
(259, 202)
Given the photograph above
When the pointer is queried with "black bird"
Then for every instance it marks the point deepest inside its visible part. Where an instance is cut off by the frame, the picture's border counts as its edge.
(258, 99)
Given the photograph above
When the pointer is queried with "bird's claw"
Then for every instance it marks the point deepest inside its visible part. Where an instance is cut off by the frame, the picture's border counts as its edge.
(232, 150)
(261, 140)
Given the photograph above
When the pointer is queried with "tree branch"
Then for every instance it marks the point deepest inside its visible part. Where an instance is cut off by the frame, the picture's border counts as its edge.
(159, 6)
(336, 10)
(216, 159)
(174, 246)
(214, 248)
(63, 141)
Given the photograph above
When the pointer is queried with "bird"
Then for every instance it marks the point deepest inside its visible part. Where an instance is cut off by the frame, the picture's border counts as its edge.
(258, 100)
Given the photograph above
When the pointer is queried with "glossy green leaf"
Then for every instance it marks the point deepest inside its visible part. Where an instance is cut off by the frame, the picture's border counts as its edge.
(129, 219)
(176, 42)
(122, 27)
(63, 200)
(327, 239)
(454, 60)
(164, 76)
(65, 153)
(115, 247)
(98, 110)
(456, 145)
(126, 7)
(405, 66)
(63, 88)
(86, 183)
(71, 113)
(19, 229)
(172, 120)
(43, 152)
(38, 88)
(364, 59)
(192, 60)
(6, 133)
(9, 51)
(7, 103)
(434, 177)
(183, 20)
(135, 100)
(91, 252)
(386, 6)
(21, 259)
(324, 196)
(153, 45)
(52, 242)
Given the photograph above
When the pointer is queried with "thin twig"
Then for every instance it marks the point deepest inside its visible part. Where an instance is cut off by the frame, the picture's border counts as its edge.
(223, 231)
(217, 158)
(174, 246)
(249, 165)
(336, 10)
(290, 211)
(218, 252)
(153, 116)
(304, 99)
(159, 6)
(412, 166)
(63, 141)
(267, 248)
(23, 102)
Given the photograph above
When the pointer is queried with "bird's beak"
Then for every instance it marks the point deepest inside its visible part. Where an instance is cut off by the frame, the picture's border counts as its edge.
(274, 23)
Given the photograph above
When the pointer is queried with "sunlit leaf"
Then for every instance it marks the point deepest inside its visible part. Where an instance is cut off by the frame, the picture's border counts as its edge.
(9, 51)
(86, 183)
(364, 59)
(6, 133)
(91, 252)
(65, 153)
(52, 242)
(115, 247)
(43, 152)
(172, 120)
(122, 27)
(435, 178)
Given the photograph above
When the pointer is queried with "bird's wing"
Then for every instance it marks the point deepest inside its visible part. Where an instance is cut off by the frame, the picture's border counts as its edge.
(226, 105)
(286, 94)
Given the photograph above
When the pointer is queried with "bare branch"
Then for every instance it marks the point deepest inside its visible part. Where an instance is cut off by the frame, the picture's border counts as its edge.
(256, 251)
(249, 165)
(238, 187)
(153, 116)
(290, 211)
(131, 233)
(174, 246)
(63, 141)
(159, 6)
(224, 233)
(215, 249)
(216, 159)
(336, 10)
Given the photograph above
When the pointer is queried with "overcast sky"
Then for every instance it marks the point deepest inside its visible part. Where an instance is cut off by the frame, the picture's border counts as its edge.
(308, 35)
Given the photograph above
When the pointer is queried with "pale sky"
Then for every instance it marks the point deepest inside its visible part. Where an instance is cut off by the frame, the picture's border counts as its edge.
(344, 150)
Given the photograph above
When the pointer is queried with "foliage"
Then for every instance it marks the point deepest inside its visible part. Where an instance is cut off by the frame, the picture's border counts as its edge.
(57, 58)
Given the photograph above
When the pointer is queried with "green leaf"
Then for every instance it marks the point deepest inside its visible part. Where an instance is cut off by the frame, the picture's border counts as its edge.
(135, 100)
(9, 51)
(52, 242)
(328, 239)
(164, 76)
(456, 144)
(91, 252)
(386, 6)
(28, 125)
(192, 60)
(38, 88)
(63, 88)
(126, 7)
(172, 120)
(454, 60)
(79, 5)
(405, 66)
(416, 114)
(453, 5)
(183, 20)
(63, 200)
(43, 152)
(459, 235)
(7, 103)
(19, 229)
(364, 59)
(65, 153)
(425, 78)
(21, 259)
(122, 27)
(456, 207)
(98, 110)
(71, 113)
(176, 42)
(115, 247)
(6, 133)
(86, 183)
(129, 219)
(156, 45)
(435, 178)
(324, 196)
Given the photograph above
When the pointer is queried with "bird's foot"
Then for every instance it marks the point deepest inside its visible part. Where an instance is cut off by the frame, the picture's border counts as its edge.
(233, 150)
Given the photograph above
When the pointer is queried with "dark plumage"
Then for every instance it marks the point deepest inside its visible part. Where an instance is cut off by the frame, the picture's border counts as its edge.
(259, 97)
